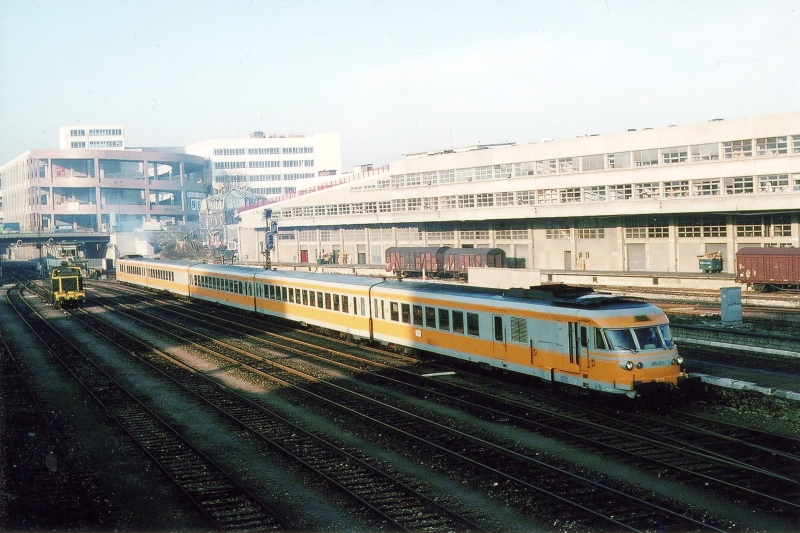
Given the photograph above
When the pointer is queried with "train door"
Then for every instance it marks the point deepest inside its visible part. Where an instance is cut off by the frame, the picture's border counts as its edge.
(576, 349)
(500, 339)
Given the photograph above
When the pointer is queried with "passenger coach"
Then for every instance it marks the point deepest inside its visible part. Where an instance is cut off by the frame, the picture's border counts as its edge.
(574, 337)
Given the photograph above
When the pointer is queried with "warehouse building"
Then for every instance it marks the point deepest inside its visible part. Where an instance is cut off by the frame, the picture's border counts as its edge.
(651, 200)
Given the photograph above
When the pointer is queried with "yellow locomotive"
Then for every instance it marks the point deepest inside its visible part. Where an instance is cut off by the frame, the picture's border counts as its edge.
(65, 286)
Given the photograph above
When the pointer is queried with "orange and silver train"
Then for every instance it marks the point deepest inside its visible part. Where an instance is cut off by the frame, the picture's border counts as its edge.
(579, 338)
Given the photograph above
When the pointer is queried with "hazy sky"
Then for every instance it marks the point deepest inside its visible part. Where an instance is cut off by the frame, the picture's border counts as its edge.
(391, 77)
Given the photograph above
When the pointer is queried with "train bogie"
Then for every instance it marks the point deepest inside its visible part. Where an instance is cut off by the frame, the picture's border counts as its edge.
(581, 339)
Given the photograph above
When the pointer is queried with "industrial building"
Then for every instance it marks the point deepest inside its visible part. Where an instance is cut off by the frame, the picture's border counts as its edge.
(651, 200)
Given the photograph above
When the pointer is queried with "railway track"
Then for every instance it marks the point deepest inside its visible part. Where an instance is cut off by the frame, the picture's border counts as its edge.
(395, 503)
(227, 505)
(39, 493)
(453, 449)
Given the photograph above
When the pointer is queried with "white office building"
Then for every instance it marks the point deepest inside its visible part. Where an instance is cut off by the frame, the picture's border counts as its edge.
(271, 165)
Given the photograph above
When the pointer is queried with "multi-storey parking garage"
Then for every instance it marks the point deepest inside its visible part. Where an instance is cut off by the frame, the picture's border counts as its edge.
(649, 200)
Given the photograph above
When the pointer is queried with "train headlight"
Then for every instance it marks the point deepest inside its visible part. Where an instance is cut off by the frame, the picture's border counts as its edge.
(639, 365)
(679, 360)
(627, 365)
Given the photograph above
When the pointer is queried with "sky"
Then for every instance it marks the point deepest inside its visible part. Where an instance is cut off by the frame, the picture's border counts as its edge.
(391, 77)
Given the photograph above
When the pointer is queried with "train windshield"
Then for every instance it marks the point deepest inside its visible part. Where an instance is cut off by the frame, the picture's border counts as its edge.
(666, 334)
(648, 338)
(620, 339)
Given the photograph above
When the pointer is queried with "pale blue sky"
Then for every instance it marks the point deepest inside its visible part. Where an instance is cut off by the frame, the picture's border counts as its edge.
(390, 77)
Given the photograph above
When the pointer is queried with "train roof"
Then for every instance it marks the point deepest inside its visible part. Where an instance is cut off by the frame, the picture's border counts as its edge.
(754, 250)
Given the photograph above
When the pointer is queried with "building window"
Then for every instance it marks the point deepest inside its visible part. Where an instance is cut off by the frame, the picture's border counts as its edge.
(77, 133)
(398, 205)
(527, 168)
(414, 204)
(431, 203)
(229, 151)
(571, 195)
(781, 226)
(568, 165)
(690, 227)
(676, 189)
(618, 160)
(78, 144)
(466, 201)
(645, 158)
(591, 233)
(647, 191)
(714, 227)
(483, 173)
(593, 162)
(705, 152)
(447, 176)
(737, 149)
(545, 167)
(503, 171)
(503, 198)
(594, 194)
(740, 185)
(620, 192)
(705, 188)
(525, 197)
(772, 146)
(678, 154)
(484, 200)
(546, 196)
(429, 178)
(773, 183)
(557, 229)
(749, 226)
(447, 202)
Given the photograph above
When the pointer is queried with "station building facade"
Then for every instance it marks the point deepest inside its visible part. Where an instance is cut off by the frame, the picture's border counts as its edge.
(649, 200)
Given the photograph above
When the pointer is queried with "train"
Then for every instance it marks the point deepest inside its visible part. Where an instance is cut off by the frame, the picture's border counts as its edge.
(441, 261)
(570, 337)
(767, 269)
(65, 286)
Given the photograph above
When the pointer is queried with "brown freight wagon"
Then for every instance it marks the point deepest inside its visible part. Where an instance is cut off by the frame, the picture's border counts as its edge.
(768, 269)
(405, 261)
(458, 260)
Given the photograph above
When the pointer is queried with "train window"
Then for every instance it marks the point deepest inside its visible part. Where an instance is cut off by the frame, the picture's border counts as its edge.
(458, 322)
(666, 334)
(355, 305)
(297, 295)
(320, 302)
(305, 297)
(313, 299)
(406, 313)
(648, 338)
(375, 307)
(430, 317)
(291, 295)
(283, 294)
(584, 338)
(327, 300)
(498, 329)
(599, 340)
(395, 311)
(383, 310)
(363, 307)
(473, 325)
(335, 302)
(417, 315)
(519, 330)
(620, 339)
(345, 304)
(444, 319)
